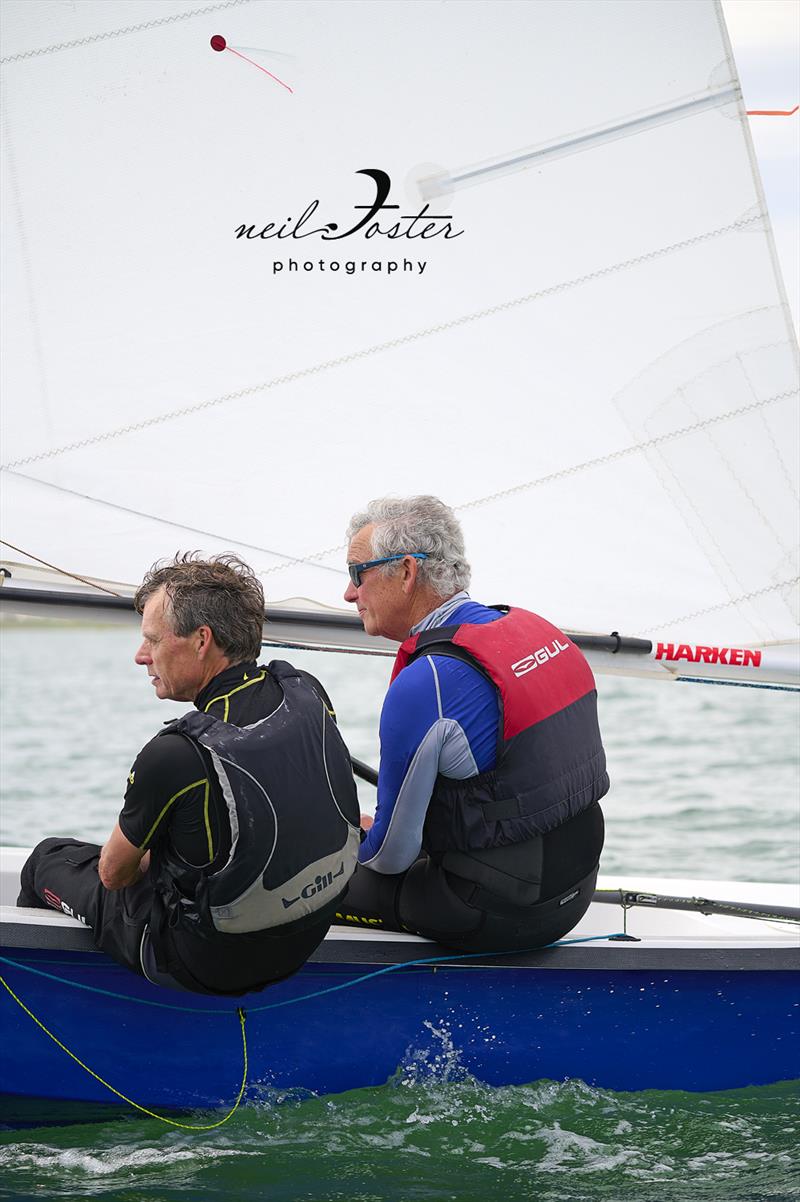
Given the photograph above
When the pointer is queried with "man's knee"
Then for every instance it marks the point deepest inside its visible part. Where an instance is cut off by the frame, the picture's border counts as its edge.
(27, 877)
(29, 895)
(44, 862)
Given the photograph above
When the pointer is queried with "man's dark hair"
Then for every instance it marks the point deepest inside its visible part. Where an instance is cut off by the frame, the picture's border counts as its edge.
(222, 593)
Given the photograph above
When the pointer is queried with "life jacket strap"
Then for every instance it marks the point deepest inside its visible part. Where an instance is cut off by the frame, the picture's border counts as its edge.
(501, 880)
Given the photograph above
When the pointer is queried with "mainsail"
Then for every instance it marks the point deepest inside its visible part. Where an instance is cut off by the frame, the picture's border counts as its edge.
(565, 318)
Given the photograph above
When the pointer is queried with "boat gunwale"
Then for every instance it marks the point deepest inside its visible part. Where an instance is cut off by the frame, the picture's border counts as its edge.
(363, 947)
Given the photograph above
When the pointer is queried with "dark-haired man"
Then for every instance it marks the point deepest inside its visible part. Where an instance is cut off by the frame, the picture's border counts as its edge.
(239, 829)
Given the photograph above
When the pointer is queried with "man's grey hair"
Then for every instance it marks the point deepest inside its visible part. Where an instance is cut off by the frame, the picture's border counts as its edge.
(405, 524)
(223, 593)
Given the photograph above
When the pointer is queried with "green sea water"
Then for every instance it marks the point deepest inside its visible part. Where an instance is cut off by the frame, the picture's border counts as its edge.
(434, 1139)
(705, 784)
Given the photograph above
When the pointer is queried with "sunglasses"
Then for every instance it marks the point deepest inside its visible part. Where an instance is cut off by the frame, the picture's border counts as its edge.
(357, 569)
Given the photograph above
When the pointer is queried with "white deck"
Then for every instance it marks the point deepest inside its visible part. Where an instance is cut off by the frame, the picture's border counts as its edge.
(655, 927)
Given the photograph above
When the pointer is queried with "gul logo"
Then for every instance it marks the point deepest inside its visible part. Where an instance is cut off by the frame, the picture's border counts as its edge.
(736, 656)
(320, 882)
(539, 657)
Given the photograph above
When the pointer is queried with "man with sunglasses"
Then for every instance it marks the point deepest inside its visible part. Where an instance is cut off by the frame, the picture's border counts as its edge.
(488, 829)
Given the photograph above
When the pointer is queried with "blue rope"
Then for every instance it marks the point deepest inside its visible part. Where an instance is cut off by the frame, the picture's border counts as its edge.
(739, 684)
(306, 997)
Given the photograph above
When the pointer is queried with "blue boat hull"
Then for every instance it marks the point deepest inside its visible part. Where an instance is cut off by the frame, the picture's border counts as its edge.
(343, 1024)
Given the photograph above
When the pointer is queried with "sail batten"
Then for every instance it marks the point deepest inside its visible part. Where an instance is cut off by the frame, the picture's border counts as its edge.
(443, 184)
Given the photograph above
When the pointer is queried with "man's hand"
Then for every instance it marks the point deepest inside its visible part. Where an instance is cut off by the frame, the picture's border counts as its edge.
(121, 863)
(366, 822)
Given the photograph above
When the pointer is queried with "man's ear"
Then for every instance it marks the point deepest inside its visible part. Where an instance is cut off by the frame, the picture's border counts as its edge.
(205, 639)
(409, 574)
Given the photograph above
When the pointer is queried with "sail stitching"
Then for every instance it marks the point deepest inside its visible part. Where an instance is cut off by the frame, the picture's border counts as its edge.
(634, 448)
(574, 469)
(664, 469)
(741, 484)
(699, 613)
(119, 33)
(768, 431)
(404, 340)
(587, 464)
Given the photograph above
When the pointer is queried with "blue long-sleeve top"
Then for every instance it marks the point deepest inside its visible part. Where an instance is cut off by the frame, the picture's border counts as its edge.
(440, 715)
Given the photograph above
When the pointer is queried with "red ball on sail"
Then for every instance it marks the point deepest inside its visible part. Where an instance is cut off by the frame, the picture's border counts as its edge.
(218, 42)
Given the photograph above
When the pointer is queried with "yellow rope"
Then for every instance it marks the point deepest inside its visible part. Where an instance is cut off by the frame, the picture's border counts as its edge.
(143, 1109)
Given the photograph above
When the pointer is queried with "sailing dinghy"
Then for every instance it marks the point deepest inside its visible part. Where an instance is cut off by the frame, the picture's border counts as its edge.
(514, 254)
(663, 984)
(703, 998)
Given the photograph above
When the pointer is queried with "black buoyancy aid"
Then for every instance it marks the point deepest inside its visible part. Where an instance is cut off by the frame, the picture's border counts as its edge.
(288, 785)
(550, 760)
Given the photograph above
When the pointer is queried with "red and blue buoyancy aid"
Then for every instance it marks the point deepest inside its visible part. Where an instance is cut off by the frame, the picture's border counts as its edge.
(550, 760)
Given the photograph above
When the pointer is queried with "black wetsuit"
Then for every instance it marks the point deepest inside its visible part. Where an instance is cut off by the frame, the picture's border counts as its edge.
(174, 808)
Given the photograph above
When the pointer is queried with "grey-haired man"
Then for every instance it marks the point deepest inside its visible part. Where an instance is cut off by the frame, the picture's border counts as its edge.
(488, 829)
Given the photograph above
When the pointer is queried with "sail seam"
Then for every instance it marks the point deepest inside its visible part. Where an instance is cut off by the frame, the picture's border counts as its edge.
(633, 449)
(119, 33)
(574, 469)
(704, 530)
(666, 472)
(699, 613)
(404, 340)
(768, 431)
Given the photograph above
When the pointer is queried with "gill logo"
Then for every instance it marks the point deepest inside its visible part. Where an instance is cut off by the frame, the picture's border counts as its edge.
(539, 657)
(321, 881)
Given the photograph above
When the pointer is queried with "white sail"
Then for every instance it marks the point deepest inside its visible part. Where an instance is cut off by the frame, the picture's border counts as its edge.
(598, 371)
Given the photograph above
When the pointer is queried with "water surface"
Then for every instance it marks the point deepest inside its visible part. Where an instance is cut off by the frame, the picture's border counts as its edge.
(704, 784)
